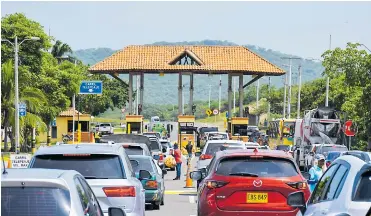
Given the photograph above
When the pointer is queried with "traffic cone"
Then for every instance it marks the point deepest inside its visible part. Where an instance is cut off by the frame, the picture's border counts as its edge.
(9, 163)
(189, 182)
(92, 138)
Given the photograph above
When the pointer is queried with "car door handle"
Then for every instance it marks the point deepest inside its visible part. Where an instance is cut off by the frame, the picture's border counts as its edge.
(143, 190)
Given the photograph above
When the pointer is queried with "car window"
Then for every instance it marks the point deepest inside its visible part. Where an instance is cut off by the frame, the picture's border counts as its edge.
(141, 164)
(321, 185)
(363, 191)
(130, 170)
(84, 199)
(105, 125)
(262, 167)
(94, 208)
(333, 155)
(212, 148)
(92, 166)
(159, 170)
(134, 150)
(336, 183)
(40, 201)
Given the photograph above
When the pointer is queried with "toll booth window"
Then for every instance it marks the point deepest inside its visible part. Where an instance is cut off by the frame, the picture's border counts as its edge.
(239, 129)
(286, 127)
(84, 126)
(135, 127)
(186, 127)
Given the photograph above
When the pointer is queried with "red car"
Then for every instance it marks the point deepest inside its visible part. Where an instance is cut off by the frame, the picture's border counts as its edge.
(249, 182)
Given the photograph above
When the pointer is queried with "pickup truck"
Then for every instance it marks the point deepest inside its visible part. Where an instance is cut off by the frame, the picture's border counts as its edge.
(105, 128)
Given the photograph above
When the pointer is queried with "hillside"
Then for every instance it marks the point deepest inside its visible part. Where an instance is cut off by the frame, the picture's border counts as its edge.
(156, 94)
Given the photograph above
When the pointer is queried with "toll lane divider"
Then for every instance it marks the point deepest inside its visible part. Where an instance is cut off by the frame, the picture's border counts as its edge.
(181, 192)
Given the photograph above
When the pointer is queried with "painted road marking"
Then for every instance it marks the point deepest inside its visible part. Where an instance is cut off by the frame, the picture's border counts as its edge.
(181, 192)
(192, 199)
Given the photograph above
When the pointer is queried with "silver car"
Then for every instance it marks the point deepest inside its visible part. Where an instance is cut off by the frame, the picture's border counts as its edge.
(47, 192)
(107, 169)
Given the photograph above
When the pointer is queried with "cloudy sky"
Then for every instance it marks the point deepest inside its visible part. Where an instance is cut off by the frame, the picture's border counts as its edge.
(300, 28)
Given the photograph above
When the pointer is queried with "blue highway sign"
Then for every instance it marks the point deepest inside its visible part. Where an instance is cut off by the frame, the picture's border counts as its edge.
(22, 109)
(91, 87)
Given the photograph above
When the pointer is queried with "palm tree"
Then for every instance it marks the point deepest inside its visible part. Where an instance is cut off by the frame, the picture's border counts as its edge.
(34, 98)
(59, 50)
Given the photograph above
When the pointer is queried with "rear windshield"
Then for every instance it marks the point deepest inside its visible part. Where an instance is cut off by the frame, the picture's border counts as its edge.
(154, 145)
(222, 136)
(141, 164)
(283, 147)
(93, 166)
(105, 125)
(134, 150)
(326, 149)
(364, 188)
(215, 147)
(35, 201)
(358, 155)
(261, 167)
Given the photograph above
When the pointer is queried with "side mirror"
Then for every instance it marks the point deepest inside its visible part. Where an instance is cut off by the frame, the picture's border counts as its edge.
(144, 175)
(297, 200)
(164, 149)
(197, 154)
(114, 211)
(164, 172)
(196, 175)
(203, 172)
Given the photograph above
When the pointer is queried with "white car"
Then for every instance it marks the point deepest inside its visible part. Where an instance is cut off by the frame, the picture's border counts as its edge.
(344, 189)
(105, 128)
(214, 135)
(252, 145)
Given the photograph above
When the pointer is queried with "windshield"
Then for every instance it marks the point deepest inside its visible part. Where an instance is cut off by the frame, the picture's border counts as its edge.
(134, 150)
(239, 129)
(286, 127)
(93, 166)
(154, 145)
(141, 164)
(212, 148)
(165, 144)
(221, 136)
(283, 147)
(364, 188)
(35, 201)
(332, 156)
(105, 125)
(264, 167)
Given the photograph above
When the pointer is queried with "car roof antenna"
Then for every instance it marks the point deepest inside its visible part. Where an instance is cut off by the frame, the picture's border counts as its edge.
(4, 172)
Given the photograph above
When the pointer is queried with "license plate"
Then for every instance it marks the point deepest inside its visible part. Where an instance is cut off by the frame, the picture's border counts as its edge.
(257, 197)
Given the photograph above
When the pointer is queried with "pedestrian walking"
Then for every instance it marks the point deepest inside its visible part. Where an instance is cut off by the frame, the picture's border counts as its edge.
(189, 149)
(316, 171)
(178, 160)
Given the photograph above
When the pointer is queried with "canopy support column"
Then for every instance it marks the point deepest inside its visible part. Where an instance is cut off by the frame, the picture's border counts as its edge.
(191, 93)
(230, 96)
(141, 89)
(180, 94)
(240, 93)
(130, 93)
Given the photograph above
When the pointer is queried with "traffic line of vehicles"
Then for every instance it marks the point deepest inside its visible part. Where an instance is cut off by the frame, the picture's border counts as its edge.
(245, 178)
(118, 176)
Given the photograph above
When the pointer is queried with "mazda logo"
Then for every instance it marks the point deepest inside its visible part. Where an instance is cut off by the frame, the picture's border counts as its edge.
(257, 183)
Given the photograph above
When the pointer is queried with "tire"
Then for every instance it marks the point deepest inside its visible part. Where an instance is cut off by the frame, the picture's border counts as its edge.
(162, 200)
(156, 206)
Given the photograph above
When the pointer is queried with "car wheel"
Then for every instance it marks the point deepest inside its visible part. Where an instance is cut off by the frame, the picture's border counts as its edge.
(162, 200)
(156, 206)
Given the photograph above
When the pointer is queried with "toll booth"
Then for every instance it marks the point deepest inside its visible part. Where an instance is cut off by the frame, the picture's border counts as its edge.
(186, 131)
(134, 124)
(238, 128)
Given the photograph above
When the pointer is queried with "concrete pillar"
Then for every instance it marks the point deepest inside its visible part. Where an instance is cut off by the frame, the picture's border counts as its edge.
(190, 93)
(142, 89)
(130, 93)
(180, 92)
(230, 96)
(240, 93)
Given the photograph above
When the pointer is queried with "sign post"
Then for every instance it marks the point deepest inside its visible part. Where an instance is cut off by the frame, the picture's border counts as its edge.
(349, 131)
(215, 112)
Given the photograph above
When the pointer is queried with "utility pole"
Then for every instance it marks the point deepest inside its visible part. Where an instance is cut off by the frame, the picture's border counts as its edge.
(298, 112)
(183, 100)
(234, 95)
(257, 101)
(137, 96)
(269, 96)
(220, 92)
(290, 85)
(209, 96)
(284, 97)
(328, 82)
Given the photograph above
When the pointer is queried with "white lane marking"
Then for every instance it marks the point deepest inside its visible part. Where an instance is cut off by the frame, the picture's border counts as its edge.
(192, 199)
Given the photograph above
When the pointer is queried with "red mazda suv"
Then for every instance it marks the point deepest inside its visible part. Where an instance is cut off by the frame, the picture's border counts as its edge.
(249, 182)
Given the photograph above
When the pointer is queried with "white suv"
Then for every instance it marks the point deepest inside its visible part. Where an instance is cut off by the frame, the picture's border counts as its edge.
(344, 189)
(105, 128)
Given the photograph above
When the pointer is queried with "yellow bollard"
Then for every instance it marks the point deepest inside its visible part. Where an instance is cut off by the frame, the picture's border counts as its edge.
(129, 128)
(189, 183)
(79, 133)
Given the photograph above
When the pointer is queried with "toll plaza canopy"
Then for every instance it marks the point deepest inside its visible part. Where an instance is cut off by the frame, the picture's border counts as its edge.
(187, 60)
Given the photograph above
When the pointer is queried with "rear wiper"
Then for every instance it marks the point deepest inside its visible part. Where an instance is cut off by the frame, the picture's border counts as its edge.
(243, 174)
(94, 177)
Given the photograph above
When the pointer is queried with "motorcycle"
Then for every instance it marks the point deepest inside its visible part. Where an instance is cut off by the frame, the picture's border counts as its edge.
(66, 138)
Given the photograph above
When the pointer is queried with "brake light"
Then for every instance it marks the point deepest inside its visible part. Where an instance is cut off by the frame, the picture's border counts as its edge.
(298, 185)
(215, 184)
(161, 157)
(256, 156)
(205, 156)
(128, 191)
(126, 146)
(151, 184)
(75, 155)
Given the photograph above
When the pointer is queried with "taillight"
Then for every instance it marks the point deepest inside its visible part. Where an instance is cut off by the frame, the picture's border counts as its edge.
(205, 156)
(128, 191)
(298, 185)
(150, 184)
(161, 157)
(215, 184)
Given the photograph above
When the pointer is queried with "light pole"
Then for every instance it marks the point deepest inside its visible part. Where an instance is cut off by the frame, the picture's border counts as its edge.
(220, 91)
(209, 96)
(366, 47)
(16, 48)
(290, 85)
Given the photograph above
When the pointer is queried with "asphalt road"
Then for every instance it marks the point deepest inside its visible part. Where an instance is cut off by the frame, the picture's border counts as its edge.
(179, 201)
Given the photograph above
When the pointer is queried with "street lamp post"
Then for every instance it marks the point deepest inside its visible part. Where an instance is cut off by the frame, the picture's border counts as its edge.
(16, 48)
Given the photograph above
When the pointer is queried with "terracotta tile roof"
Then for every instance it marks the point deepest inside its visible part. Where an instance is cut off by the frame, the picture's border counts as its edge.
(69, 113)
(214, 59)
